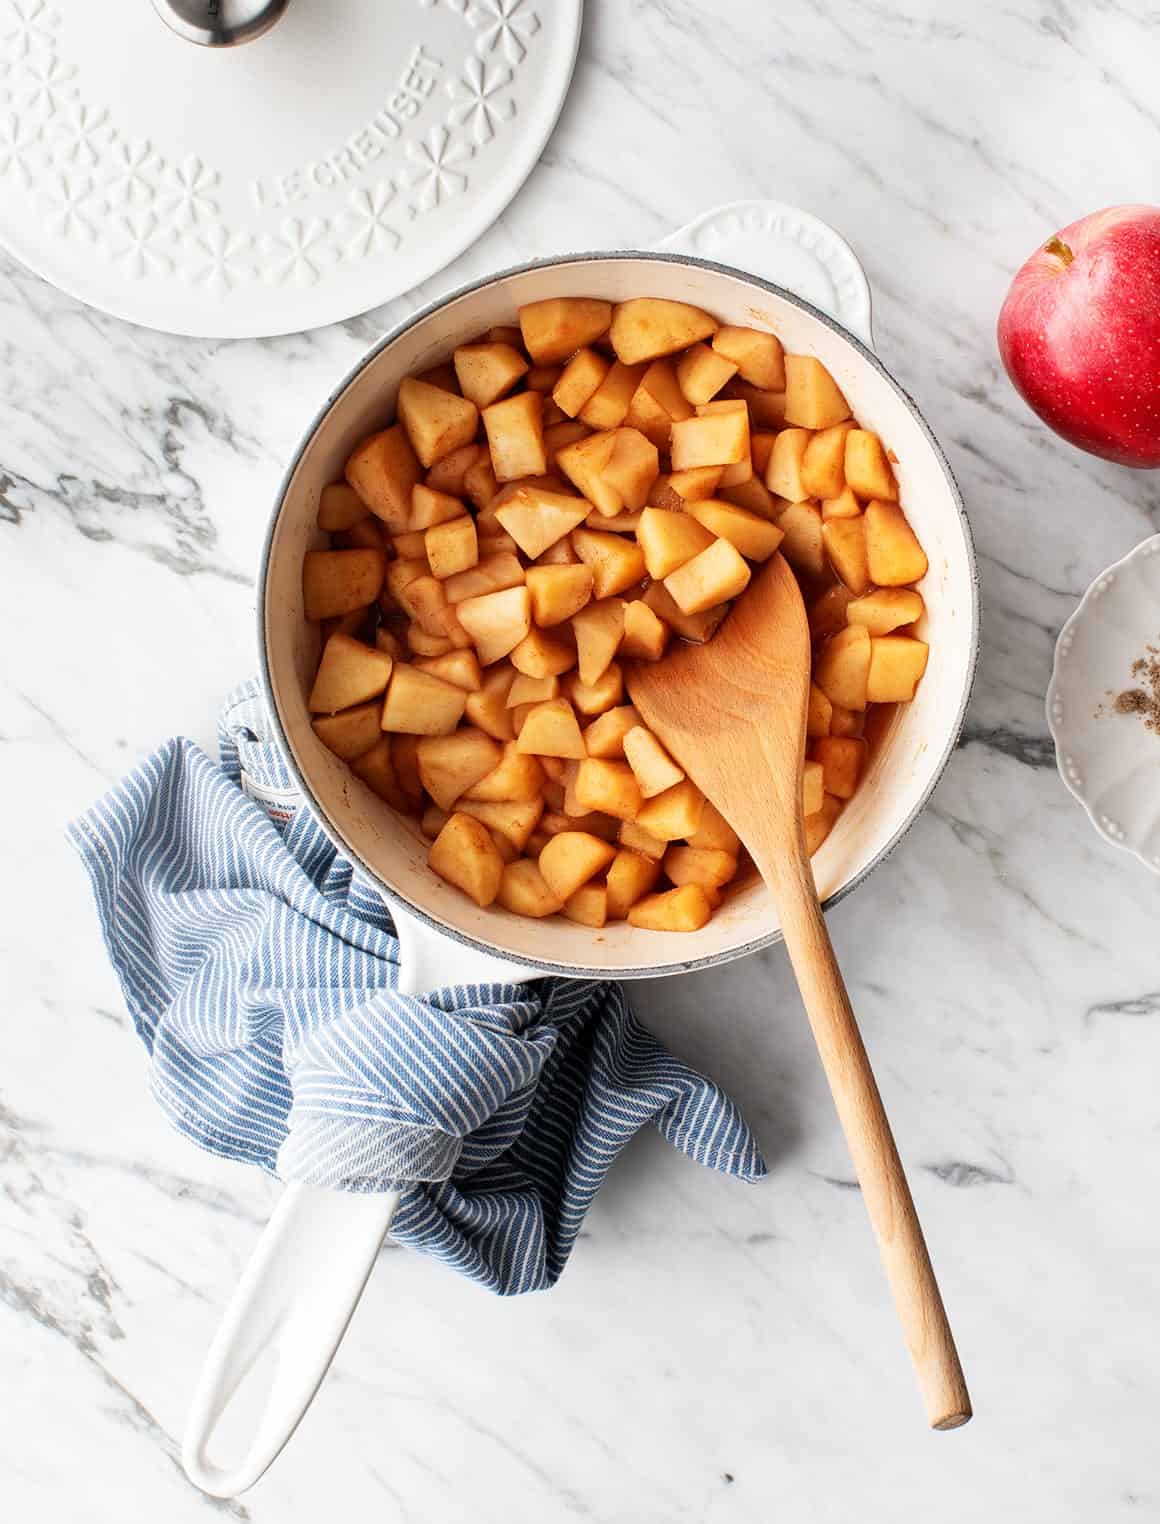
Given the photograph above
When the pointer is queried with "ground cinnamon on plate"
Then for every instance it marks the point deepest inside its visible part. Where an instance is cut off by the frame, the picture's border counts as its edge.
(1145, 699)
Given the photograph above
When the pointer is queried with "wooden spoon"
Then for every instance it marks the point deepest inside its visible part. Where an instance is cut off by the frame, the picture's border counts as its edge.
(733, 714)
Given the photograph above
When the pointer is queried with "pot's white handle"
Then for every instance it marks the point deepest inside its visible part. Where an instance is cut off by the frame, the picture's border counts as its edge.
(788, 247)
(304, 1280)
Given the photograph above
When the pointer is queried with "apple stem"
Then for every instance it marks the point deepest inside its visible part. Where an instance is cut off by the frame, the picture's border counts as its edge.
(1059, 250)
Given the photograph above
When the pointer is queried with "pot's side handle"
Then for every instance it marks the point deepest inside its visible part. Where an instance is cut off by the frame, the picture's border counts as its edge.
(305, 1277)
(789, 247)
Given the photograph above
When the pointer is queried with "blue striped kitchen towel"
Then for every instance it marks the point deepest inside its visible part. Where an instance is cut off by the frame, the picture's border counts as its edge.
(260, 969)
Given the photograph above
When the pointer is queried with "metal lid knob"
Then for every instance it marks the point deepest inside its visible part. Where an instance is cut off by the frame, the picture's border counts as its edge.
(219, 23)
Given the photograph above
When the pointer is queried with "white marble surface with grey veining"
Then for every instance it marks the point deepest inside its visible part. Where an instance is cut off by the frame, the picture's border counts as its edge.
(715, 1352)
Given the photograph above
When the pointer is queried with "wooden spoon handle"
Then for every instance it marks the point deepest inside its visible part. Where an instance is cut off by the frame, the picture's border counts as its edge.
(876, 1162)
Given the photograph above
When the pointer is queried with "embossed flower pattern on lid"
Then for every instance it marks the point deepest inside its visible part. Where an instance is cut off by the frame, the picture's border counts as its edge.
(437, 174)
(475, 95)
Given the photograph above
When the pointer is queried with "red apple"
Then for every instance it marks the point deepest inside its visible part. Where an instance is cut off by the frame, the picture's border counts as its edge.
(1079, 334)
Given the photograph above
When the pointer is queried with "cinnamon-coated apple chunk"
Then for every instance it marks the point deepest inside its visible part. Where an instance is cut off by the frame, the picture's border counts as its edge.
(554, 329)
(536, 518)
(711, 867)
(592, 699)
(673, 815)
(383, 470)
(894, 556)
(429, 507)
(813, 787)
(583, 462)
(710, 578)
(631, 468)
(464, 854)
(668, 540)
(605, 736)
(819, 713)
(616, 563)
(633, 839)
(631, 875)
(571, 859)
(645, 633)
(448, 474)
(598, 629)
(845, 542)
(349, 673)
(348, 734)
(486, 372)
(340, 507)
(844, 506)
(897, 663)
(609, 403)
(715, 832)
(752, 536)
(492, 574)
(813, 399)
(718, 435)
(886, 609)
(783, 475)
(496, 622)
(588, 906)
(513, 820)
(844, 666)
(450, 764)
(866, 467)
(695, 627)
(757, 355)
(522, 888)
(841, 759)
(551, 730)
(544, 653)
(377, 770)
(609, 787)
(515, 436)
(558, 592)
(336, 582)
(804, 545)
(579, 380)
(819, 826)
(701, 373)
(436, 421)
(460, 668)
(654, 769)
(516, 776)
(683, 909)
(421, 704)
(648, 327)
(452, 547)
(823, 467)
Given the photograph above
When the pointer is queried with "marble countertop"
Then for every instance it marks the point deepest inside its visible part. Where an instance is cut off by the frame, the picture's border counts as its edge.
(715, 1351)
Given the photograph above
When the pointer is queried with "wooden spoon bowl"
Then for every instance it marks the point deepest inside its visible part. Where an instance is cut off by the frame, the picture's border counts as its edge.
(733, 714)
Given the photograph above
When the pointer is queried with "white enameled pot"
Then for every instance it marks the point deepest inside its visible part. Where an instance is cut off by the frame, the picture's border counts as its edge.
(308, 1272)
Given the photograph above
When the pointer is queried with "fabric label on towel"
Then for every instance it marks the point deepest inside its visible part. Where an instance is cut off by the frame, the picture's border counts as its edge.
(281, 804)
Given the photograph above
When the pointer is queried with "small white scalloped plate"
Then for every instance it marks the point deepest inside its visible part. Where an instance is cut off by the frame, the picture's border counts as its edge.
(1109, 761)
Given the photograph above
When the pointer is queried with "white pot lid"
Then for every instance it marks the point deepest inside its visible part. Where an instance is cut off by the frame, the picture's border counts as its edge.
(295, 180)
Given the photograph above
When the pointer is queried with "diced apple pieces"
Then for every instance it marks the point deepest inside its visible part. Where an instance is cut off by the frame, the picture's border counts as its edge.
(554, 329)
(813, 787)
(452, 547)
(631, 468)
(754, 537)
(757, 356)
(579, 380)
(479, 481)
(841, 759)
(430, 507)
(336, 582)
(551, 730)
(377, 770)
(583, 463)
(588, 906)
(616, 563)
(487, 707)
(717, 436)
(427, 646)
(350, 732)
(492, 575)
(886, 609)
(654, 769)
(512, 819)
(708, 866)
(532, 690)
(674, 489)
(695, 627)
(827, 613)
(844, 506)
(349, 673)
(448, 475)
(668, 540)
(558, 592)
(436, 421)
(630, 877)
(450, 764)
(804, 546)
(710, 578)
(867, 469)
(608, 405)
(645, 634)
(460, 668)
(536, 518)
(647, 328)
(660, 383)
(673, 815)
(383, 470)
(571, 859)
(684, 909)
(367, 534)
(819, 826)
(522, 889)
(845, 541)
(714, 832)
(843, 668)
(543, 653)
(609, 787)
(813, 399)
(598, 628)
(515, 776)
(766, 409)
(846, 722)
(421, 704)
(496, 622)
(894, 555)
(605, 736)
(340, 507)
(702, 372)
(591, 699)
(823, 468)
(783, 475)
(897, 663)
(515, 436)
(463, 854)
(486, 372)
(818, 713)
